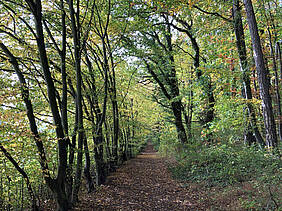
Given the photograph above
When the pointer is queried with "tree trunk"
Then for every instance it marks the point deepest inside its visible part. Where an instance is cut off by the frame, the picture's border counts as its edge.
(205, 82)
(107, 138)
(57, 185)
(33, 198)
(263, 79)
(277, 91)
(64, 113)
(87, 174)
(113, 97)
(99, 157)
(177, 112)
(189, 113)
(77, 55)
(278, 58)
(241, 48)
(62, 201)
(115, 127)
(176, 104)
(97, 132)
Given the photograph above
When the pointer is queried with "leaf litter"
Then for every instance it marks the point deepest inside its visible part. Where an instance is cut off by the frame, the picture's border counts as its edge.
(143, 183)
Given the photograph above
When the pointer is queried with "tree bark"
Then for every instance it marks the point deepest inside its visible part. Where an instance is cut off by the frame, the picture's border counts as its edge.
(87, 174)
(263, 78)
(64, 112)
(277, 91)
(97, 131)
(58, 187)
(75, 22)
(205, 82)
(241, 48)
(278, 58)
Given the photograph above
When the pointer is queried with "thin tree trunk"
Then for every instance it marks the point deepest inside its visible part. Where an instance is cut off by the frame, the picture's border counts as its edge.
(63, 71)
(99, 156)
(87, 174)
(35, 206)
(97, 131)
(277, 91)
(130, 141)
(188, 112)
(278, 85)
(108, 151)
(77, 54)
(273, 36)
(279, 57)
(72, 145)
(113, 97)
(115, 125)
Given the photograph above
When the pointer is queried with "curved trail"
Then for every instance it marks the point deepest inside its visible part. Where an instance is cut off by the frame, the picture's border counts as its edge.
(142, 183)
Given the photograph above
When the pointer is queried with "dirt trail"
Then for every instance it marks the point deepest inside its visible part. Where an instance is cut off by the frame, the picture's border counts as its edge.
(142, 183)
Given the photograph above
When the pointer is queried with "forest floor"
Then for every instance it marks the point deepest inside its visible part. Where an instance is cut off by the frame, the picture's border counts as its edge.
(144, 183)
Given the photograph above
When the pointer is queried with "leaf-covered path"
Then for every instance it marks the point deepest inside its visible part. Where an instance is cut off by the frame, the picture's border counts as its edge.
(142, 183)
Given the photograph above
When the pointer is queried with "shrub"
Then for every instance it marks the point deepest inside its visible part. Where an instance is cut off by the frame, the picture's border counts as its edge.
(226, 164)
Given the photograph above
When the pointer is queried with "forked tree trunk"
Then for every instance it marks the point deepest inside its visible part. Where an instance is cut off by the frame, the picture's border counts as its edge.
(204, 81)
(58, 185)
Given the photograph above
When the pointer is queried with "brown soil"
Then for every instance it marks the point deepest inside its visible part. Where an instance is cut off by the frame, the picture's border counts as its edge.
(143, 183)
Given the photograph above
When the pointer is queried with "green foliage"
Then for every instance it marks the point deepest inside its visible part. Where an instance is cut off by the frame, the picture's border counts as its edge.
(230, 121)
(136, 32)
(226, 164)
(168, 143)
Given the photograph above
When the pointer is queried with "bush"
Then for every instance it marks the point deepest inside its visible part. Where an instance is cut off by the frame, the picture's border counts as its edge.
(226, 164)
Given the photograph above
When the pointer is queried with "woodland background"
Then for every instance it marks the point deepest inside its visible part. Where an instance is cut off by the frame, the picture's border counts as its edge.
(86, 84)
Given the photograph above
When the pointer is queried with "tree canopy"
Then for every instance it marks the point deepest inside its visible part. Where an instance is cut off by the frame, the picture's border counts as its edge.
(86, 84)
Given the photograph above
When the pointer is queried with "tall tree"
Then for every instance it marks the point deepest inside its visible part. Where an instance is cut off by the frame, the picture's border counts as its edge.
(205, 82)
(33, 127)
(263, 78)
(241, 48)
(279, 59)
(58, 185)
(76, 33)
(159, 63)
(272, 37)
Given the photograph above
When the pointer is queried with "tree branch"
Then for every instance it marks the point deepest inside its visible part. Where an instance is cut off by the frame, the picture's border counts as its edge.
(213, 13)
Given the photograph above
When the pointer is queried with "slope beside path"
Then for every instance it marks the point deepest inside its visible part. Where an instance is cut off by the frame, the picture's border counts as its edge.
(142, 183)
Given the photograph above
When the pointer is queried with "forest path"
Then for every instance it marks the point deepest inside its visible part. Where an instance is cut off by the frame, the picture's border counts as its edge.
(142, 183)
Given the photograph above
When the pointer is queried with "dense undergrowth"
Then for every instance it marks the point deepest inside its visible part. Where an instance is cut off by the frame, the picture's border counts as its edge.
(227, 164)
(226, 167)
